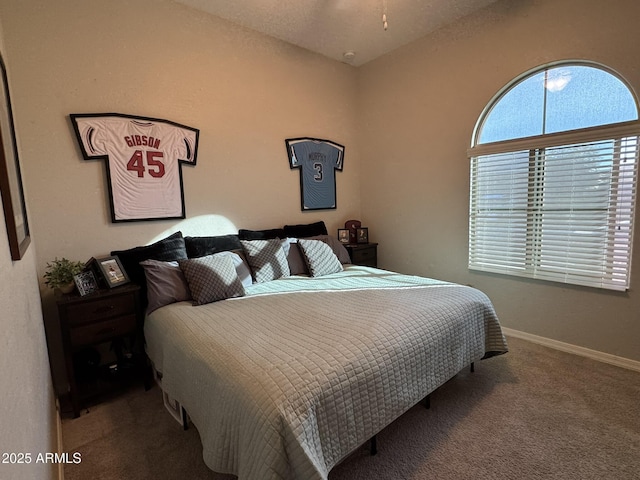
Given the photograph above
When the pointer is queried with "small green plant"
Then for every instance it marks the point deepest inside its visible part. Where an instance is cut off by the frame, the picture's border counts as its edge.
(61, 272)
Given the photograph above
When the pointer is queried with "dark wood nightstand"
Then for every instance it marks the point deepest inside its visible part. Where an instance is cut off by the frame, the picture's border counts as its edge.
(100, 317)
(363, 253)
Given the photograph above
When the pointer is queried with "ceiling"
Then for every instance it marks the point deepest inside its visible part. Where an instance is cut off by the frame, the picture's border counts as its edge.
(334, 27)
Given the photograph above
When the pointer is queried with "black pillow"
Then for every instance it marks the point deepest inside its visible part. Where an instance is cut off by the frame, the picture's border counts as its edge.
(165, 250)
(261, 234)
(308, 230)
(203, 246)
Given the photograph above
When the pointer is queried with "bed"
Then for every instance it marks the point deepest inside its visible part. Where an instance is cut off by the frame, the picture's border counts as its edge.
(288, 378)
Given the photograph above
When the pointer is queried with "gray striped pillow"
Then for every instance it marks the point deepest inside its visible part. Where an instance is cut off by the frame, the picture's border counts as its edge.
(320, 257)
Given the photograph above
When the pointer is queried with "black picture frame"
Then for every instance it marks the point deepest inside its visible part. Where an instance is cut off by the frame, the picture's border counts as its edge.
(112, 271)
(151, 159)
(318, 161)
(15, 208)
(86, 283)
(362, 235)
(343, 235)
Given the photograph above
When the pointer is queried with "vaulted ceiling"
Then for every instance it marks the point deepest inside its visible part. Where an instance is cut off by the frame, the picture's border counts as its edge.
(335, 27)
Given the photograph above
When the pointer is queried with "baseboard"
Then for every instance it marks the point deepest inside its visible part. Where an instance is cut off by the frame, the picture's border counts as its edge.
(582, 351)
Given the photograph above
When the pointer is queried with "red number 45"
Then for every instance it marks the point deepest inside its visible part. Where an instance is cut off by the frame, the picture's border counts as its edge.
(156, 167)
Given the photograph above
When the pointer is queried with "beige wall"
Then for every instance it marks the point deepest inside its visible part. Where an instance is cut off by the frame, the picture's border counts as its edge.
(246, 93)
(418, 107)
(27, 409)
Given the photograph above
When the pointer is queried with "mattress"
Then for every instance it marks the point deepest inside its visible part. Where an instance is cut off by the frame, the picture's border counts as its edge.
(286, 381)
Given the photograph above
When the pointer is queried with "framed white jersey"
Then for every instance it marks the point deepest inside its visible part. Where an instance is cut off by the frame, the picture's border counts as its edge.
(318, 161)
(143, 158)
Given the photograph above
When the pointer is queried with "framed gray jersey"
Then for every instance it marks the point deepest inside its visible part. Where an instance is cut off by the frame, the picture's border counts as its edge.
(318, 161)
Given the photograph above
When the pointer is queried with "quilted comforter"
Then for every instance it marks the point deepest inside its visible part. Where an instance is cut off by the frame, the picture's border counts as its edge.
(285, 382)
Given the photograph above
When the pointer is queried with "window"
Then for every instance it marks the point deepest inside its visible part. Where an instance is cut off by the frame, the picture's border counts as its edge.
(554, 163)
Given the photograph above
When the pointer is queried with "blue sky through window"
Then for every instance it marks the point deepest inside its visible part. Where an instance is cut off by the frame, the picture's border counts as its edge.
(576, 96)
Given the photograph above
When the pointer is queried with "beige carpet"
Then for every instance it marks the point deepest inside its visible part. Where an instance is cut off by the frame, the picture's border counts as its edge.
(534, 413)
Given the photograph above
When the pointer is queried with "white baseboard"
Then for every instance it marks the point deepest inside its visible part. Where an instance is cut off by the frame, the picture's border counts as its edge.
(582, 351)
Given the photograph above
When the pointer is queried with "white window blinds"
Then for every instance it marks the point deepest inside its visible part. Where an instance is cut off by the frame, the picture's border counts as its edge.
(559, 212)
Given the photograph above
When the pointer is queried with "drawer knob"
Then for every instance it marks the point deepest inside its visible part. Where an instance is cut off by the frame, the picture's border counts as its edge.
(106, 331)
(105, 309)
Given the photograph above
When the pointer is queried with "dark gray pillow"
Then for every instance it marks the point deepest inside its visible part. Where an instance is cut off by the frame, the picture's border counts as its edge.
(268, 234)
(297, 264)
(266, 259)
(202, 246)
(336, 246)
(167, 250)
(211, 278)
(165, 283)
(305, 230)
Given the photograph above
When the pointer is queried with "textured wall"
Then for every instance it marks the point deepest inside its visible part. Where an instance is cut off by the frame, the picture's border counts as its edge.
(27, 411)
(419, 106)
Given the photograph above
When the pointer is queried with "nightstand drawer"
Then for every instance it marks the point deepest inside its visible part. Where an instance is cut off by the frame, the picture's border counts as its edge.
(364, 256)
(90, 312)
(102, 331)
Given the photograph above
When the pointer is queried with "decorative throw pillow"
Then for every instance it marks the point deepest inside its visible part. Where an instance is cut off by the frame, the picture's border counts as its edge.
(242, 267)
(320, 258)
(165, 284)
(266, 259)
(168, 249)
(211, 278)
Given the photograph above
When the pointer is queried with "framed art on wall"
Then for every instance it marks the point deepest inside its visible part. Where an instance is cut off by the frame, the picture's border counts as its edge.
(317, 161)
(15, 209)
(143, 158)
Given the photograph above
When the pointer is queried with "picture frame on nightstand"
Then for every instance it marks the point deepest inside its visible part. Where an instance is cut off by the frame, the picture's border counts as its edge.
(86, 282)
(343, 235)
(108, 271)
(362, 235)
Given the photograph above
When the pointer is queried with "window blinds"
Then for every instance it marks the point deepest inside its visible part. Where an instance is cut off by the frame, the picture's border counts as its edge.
(556, 212)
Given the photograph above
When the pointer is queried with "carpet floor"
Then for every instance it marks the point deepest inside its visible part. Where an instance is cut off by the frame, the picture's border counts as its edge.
(534, 413)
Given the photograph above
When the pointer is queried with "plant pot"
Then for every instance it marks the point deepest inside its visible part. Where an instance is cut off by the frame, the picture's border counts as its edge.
(67, 288)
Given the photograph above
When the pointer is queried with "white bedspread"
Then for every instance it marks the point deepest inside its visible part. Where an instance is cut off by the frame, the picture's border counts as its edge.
(287, 381)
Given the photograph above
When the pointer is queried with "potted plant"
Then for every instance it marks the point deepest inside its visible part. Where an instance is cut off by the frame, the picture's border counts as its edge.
(60, 274)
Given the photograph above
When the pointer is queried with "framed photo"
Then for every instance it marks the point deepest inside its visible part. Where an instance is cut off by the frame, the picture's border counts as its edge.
(86, 283)
(362, 235)
(112, 271)
(343, 235)
(15, 209)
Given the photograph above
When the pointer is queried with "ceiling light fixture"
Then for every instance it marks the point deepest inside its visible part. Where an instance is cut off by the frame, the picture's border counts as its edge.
(349, 56)
(385, 25)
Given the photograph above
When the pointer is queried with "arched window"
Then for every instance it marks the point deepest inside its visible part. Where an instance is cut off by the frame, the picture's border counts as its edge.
(554, 161)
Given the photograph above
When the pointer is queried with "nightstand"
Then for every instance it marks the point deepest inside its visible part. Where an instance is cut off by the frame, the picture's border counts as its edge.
(101, 317)
(363, 253)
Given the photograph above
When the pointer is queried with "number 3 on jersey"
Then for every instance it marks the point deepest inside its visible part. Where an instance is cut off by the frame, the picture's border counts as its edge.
(155, 167)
